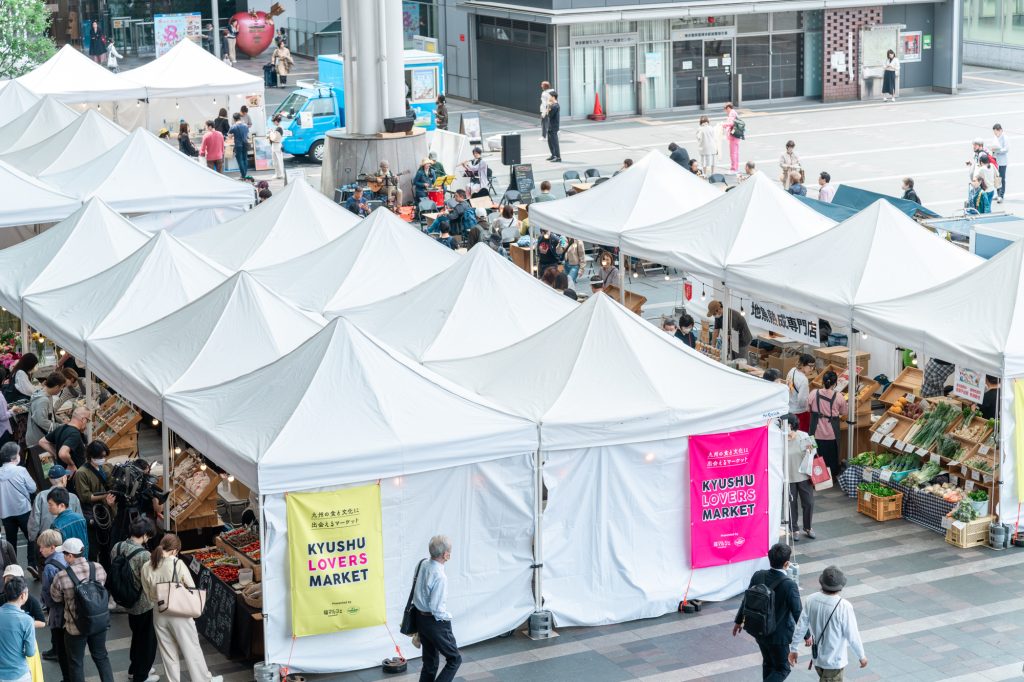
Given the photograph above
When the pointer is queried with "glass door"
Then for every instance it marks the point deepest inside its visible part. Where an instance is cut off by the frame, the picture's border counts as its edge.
(718, 70)
(619, 83)
(686, 69)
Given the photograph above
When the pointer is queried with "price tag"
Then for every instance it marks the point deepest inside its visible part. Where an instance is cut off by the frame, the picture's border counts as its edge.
(983, 450)
(964, 471)
(934, 459)
(865, 474)
(987, 478)
(959, 525)
(975, 475)
(889, 440)
(910, 397)
(954, 479)
(946, 522)
(876, 437)
(886, 476)
(969, 486)
(908, 448)
(900, 445)
(867, 497)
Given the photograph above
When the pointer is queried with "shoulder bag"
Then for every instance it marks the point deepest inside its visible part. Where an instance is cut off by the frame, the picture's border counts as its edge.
(814, 640)
(408, 626)
(175, 599)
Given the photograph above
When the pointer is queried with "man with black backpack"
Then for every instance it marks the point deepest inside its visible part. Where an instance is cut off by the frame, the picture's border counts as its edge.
(124, 583)
(770, 611)
(80, 588)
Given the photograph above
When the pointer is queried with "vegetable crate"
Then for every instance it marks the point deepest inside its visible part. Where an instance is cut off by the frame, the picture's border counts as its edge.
(880, 508)
(972, 534)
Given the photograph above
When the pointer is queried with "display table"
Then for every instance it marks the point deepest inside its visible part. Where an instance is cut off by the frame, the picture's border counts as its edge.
(233, 627)
(924, 509)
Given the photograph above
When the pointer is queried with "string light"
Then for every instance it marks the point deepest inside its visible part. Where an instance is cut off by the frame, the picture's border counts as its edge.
(649, 457)
(743, 313)
(702, 294)
(177, 451)
(63, 352)
(156, 422)
(635, 274)
(231, 478)
(667, 278)
(202, 467)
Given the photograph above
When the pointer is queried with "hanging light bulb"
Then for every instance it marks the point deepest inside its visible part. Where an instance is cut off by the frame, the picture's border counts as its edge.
(635, 274)
(702, 293)
(863, 335)
(177, 451)
(667, 278)
(63, 352)
(743, 313)
(231, 478)
(177, 106)
(202, 467)
(155, 422)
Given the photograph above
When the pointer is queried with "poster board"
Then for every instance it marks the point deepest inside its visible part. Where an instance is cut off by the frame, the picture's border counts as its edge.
(171, 29)
(968, 384)
(875, 42)
(911, 44)
(522, 173)
(261, 153)
(469, 125)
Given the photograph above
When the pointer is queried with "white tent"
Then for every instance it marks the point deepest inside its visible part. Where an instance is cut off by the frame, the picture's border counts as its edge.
(187, 70)
(28, 201)
(160, 277)
(853, 263)
(90, 240)
(73, 78)
(616, 399)
(378, 258)
(38, 123)
(143, 174)
(86, 138)
(237, 327)
(653, 190)
(294, 221)
(15, 99)
(481, 303)
(755, 218)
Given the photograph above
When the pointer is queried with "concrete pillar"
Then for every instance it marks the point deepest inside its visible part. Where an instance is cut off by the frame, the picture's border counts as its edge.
(372, 45)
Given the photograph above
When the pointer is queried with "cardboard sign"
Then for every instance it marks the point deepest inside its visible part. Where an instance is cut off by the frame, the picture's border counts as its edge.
(968, 384)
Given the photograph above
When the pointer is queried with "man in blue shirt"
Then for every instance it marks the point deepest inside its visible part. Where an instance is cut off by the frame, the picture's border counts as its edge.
(433, 622)
(66, 522)
(240, 132)
(17, 638)
(357, 203)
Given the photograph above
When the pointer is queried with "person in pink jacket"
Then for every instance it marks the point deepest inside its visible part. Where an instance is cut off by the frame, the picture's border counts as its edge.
(734, 142)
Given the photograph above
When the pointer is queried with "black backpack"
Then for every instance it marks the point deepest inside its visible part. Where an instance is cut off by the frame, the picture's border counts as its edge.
(759, 606)
(121, 581)
(92, 603)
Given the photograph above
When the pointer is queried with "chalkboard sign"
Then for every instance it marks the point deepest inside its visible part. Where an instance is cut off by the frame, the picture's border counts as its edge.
(522, 175)
(470, 126)
(218, 620)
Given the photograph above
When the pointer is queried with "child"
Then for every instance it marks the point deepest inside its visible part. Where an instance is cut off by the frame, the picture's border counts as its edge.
(446, 238)
(112, 56)
(707, 145)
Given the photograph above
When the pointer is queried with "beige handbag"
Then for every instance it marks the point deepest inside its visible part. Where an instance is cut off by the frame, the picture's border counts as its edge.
(175, 599)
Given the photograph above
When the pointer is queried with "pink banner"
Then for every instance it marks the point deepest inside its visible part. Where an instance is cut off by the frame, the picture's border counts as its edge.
(728, 497)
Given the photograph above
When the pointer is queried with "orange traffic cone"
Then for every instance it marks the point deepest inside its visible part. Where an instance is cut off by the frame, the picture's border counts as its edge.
(598, 114)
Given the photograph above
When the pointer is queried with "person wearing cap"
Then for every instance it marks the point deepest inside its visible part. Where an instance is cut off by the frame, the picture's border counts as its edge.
(829, 625)
(48, 542)
(68, 523)
(436, 165)
(99, 506)
(423, 180)
(16, 490)
(62, 591)
(357, 203)
(977, 147)
(31, 606)
(17, 639)
(142, 652)
(476, 170)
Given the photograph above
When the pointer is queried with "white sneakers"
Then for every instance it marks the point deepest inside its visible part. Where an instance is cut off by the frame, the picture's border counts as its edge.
(153, 678)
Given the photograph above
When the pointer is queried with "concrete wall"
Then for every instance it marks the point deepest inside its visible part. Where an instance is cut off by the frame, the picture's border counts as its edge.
(456, 38)
(842, 25)
(996, 56)
(915, 18)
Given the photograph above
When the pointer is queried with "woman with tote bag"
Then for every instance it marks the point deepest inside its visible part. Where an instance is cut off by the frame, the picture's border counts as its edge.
(162, 577)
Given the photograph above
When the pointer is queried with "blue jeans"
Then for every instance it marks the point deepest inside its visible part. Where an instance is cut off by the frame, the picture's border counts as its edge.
(242, 157)
(571, 271)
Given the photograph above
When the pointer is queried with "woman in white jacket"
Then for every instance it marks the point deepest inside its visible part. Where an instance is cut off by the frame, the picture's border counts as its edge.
(112, 56)
(707, 146)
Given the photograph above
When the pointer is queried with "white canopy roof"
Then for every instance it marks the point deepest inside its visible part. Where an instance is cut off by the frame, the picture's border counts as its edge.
(755, 218)
(854, 263)
(294, 221)
(380, 257)
(73, 78)
(344, 409)
(90, 240)
(15, 99)
(187, 70)
(237, 327)
(653, 190)
(975, 320)
(38, 123)
(603, 376)
(481, 303)
(88, 136)
(144, 174)
(28, 201)
(156, 280)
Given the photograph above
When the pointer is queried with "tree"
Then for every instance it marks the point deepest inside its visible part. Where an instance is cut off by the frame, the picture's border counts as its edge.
(24, 39)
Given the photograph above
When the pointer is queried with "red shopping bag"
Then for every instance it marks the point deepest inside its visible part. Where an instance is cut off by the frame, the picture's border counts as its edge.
(821, 477)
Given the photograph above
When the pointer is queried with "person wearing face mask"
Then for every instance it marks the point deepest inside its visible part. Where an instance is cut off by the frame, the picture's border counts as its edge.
(684, 332)
(799, 485)
(93, 483)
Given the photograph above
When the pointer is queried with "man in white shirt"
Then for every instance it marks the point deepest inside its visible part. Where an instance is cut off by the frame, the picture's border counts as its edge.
(798, 382)
(1001, 150)
(829, 624)
(825, 189)
(433, 622)
(545, 105)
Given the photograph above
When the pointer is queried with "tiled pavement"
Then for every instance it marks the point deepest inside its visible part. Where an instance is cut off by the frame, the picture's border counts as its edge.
(927, 611)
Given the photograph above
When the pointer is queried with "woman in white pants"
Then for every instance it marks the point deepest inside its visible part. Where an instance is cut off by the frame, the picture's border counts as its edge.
(176, 636)
(275, 135)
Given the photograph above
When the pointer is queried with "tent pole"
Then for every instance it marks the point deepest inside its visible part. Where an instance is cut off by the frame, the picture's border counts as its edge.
(726, 334)
(165, 461)
(90, 396)
(538, 539)
(787, 522)
(24, 333)
(263, 547)
(623, 275)
(851, 404)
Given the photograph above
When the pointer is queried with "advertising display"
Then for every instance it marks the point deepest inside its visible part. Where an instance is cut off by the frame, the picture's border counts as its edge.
(170, 29)
(336, 559)
(796, 326)
(728, 497)
(968, 384)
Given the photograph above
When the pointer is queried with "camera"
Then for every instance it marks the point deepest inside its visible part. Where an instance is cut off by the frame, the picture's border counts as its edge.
(131, 482)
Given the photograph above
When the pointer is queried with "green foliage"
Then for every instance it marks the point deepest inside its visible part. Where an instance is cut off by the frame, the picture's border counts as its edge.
(24, 39)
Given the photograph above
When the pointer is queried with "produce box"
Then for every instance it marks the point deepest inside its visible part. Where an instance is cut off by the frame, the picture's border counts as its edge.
(880, 508)
(783, 364)
(242, 558)
(969, 534)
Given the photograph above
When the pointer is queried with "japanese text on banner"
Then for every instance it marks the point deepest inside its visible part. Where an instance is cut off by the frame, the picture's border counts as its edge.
(796, 326)
(728, 497)
(336, 557)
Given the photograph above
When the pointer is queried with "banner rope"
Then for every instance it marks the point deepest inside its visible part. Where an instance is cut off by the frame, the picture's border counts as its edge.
(287, 667)
(398, 650)
(688, 583)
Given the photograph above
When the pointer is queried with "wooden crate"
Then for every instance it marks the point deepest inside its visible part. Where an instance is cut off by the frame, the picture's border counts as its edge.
(194, 502)
(976, 421)
(242, 558)
(880, 508)
(199, 522)
(972, 534)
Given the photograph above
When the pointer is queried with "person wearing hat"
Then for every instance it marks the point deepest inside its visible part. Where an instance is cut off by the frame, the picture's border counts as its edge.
(423, 180)
(48, 542)
(40, 518)
(31, 606)
(390, 188)
(436, 165)
(164, 134)
(828, 625)
(977, 147)
(62, 591)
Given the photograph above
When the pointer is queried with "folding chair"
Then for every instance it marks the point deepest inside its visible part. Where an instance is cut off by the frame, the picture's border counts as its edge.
(570, 175)
(600, 180)
(591, 173)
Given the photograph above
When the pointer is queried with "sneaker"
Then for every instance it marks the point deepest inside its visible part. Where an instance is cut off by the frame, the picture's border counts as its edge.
(217, 678)
(153, 678)
(796, 536)
(810, 534)
(550, 158)
(34, 572)
(557, 159)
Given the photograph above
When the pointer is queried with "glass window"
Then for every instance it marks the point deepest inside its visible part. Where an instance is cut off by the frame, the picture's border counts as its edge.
(322, 106)
(292, 105)
(562, 80)
(701, 22)
(752, 23)
(787, 65)
(1013, 22)
(563, 37)
(687, 56)
(787, 21)
(982, 19)
(752, 62)
(657, 89)
(651, 31)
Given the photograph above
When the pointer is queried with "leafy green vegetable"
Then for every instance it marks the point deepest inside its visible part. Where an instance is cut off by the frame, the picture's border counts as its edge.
(876, 489)
(978, 495)
(964, 512)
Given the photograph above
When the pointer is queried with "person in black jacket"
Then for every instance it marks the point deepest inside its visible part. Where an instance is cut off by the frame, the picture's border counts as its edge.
(908, 191)
(775, 647)
(679, 155)
(554, 123)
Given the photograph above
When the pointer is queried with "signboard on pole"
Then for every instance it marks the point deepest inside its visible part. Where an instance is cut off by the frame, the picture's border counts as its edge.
(801, 327)
(171, 29)
(968, 384)
(728, 497)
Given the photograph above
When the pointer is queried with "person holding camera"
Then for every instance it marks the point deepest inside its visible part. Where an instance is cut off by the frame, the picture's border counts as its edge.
(99, 505)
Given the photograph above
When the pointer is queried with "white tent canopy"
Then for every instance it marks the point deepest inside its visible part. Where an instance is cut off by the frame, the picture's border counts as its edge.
(15, 99)
(754, 219)
(854, 263)
(234, 329)
(481, 303)
(187, 70)
(653, 190)
(73, 78)
(603, 376)
(378, 258)
(40, 121)
(294, 221)
(160, 277)
(86, 138)
(385, 416)
(90, 240)
(143, 174)
(28, 201)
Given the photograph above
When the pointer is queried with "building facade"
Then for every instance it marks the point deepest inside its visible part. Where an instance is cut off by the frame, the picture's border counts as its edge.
(994, 33)
(642, 57)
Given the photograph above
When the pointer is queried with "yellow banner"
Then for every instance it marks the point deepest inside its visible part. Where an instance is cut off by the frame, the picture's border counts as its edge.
(1018, 434)
(336, 557)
